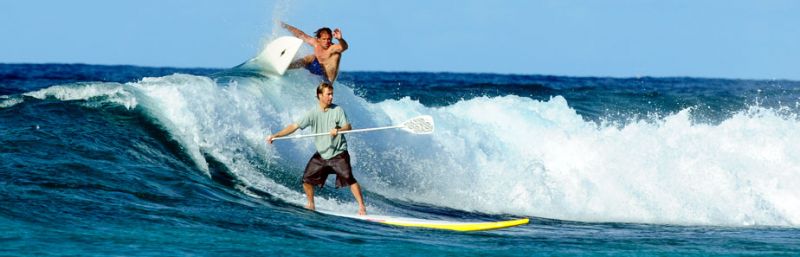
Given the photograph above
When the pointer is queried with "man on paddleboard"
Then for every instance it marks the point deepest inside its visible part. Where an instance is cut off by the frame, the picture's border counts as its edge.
(331, 156)
(325, 60)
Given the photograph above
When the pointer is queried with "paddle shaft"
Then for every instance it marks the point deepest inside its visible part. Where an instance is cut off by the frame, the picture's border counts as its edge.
(341, 132)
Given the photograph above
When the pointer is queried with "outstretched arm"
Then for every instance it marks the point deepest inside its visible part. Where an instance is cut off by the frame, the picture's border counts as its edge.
(337, 34)
(286, 131)
(299, 33)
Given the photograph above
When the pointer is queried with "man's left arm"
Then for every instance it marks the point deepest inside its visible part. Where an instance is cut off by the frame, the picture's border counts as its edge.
(337, 34)
(346, 127)
(335, 131)
(341, 120)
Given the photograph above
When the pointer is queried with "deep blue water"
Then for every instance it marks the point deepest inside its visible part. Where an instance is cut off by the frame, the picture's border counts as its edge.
(124, 160)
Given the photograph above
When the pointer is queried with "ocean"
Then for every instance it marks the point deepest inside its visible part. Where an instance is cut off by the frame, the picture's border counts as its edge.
(145, 161)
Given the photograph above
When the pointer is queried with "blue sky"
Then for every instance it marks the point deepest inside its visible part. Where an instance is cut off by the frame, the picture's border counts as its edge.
(727, 39)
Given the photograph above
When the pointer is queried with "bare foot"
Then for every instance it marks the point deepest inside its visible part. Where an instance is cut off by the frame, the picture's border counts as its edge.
(362, 211)
(310, 207)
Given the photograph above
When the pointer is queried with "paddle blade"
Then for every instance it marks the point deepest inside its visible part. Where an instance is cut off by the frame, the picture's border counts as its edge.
(419, 125)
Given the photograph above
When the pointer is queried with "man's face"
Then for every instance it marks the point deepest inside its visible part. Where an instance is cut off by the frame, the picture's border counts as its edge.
(326, 98)
(324, 40)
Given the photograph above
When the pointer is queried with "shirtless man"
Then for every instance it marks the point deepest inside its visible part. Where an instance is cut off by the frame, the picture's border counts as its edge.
(325, 60)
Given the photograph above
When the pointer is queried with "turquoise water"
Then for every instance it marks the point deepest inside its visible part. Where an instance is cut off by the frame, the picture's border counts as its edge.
(121, 160)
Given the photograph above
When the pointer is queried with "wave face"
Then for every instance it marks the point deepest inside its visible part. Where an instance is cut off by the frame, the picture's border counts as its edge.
(170, 155)
(501, 153)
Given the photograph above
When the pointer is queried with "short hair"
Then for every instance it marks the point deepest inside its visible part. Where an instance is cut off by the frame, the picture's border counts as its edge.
(323, 85)
(318, 33)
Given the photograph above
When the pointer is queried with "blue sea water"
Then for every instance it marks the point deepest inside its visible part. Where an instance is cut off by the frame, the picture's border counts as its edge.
(140, 161)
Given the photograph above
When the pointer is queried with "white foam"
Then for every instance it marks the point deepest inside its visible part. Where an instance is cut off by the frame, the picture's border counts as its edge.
(100, 91)
(9, 101)
(521, 156)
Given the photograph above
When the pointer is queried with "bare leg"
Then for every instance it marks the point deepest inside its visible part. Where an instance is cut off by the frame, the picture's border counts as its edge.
(356, 189)
(310, 195)
(302, 62)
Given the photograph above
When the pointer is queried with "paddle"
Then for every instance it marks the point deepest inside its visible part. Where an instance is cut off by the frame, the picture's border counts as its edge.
(417, 125)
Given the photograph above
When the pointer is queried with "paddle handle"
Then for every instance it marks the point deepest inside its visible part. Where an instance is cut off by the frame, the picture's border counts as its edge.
(341, 132)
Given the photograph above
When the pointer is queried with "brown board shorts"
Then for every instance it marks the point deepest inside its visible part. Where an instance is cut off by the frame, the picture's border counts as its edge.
(318, 169)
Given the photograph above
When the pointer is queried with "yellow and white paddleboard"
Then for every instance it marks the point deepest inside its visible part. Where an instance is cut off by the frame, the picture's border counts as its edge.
(434, 224)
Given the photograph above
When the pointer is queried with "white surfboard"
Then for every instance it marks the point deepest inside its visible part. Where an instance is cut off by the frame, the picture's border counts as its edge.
(433, 224)
(278, 54)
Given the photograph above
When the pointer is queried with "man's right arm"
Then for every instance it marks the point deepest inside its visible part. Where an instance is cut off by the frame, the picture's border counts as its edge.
(286, 131)
(299, 33)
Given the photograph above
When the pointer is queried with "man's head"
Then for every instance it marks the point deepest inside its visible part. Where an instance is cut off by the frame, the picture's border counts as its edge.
(324, 36)
(325, 94)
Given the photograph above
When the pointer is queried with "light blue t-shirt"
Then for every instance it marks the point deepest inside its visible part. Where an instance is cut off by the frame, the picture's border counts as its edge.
(322, 122)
